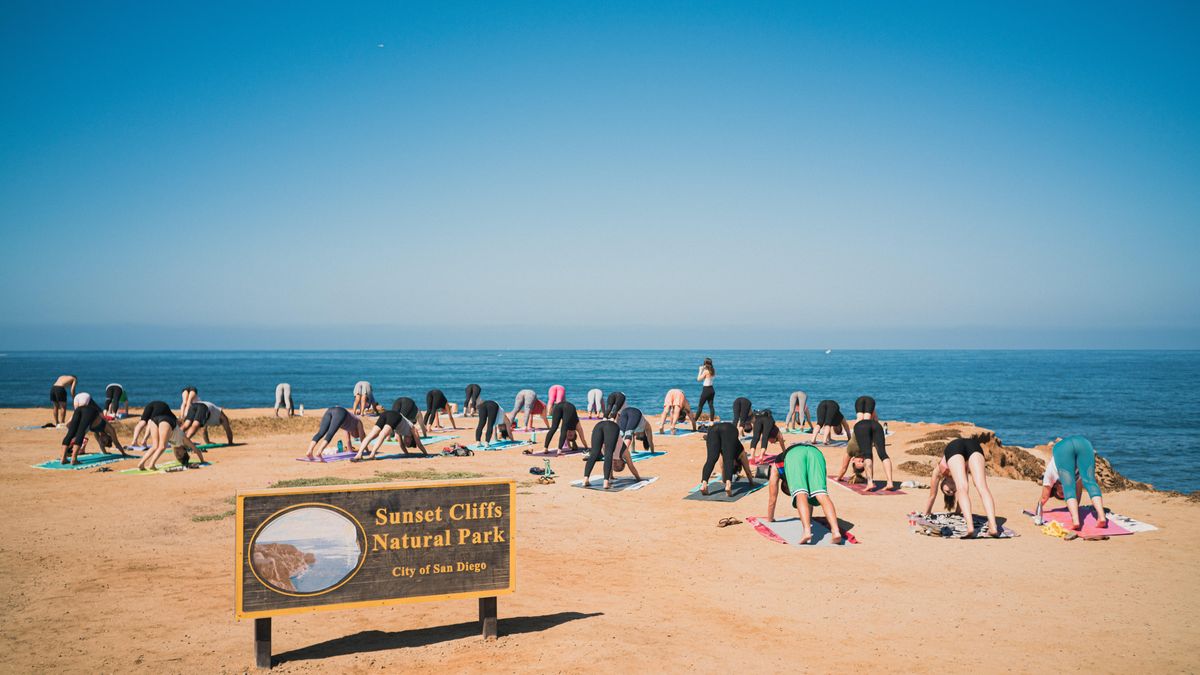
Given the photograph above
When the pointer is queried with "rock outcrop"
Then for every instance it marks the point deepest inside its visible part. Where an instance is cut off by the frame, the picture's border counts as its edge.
(1014, 461)
(276, 564)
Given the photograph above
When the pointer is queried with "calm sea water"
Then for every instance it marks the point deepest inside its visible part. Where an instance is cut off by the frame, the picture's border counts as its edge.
(1140, 408)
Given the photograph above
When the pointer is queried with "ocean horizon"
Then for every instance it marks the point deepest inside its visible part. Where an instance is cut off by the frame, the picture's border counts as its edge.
(1137, 406)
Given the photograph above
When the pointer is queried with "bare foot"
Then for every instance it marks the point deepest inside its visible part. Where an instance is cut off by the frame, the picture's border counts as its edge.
(608, 485)
(838, 538)
(703, 488)
(807, 537)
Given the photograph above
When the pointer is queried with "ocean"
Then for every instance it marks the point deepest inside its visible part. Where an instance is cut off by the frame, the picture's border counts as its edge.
(1139, 408)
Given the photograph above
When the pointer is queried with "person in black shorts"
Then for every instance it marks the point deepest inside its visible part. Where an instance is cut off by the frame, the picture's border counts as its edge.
(830, 421)
(435, 404)
(408, 407)
(471, 404)
(59, 396)
(391, 422)
(159, 421)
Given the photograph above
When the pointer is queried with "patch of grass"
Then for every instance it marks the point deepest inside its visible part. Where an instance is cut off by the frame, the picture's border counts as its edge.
(209, 517)
(934, 449)
(917, 468)
(380, 476)
(940, 434)
(429, 474)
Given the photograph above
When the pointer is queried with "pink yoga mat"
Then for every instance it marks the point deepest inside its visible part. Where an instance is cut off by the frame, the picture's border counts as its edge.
(1062, 515)
(861, 488)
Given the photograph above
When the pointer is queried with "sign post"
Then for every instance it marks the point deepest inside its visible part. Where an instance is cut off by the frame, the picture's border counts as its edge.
(316, 549)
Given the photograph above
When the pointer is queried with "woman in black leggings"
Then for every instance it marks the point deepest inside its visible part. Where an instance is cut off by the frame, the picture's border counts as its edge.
(471, 404)
(707, 393)
(607, 438)
(87, 417)
(435, 404)
(765, 431)
(830, 421)
(741, 413)
(723, 442)
(613, 405)
(567, 416)
(489, 414)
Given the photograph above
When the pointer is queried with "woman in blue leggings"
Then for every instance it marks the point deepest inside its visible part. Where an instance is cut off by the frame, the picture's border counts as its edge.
(1072, 468)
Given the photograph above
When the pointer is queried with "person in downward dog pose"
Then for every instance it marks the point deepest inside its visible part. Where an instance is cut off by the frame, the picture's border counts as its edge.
(391, 422)
(408, 407)
(435, 404)
(1070, 471)
(471, 402)
(963, 463)
(115, 399)
(765, 430)
(741, 413)
(334, 420)
(675, 408)
(528, 402)
(87, 416)
(491, 417)
(798, 412)
(283, 399)
(829, 421)
(613, 405)
(566, 416)
(800, 473)
(869, 433)
(595, 403)
(159, 422)
(607, 438)
(723, 442)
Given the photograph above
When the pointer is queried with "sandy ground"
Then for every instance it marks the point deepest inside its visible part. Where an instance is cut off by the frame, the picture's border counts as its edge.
(107, 572)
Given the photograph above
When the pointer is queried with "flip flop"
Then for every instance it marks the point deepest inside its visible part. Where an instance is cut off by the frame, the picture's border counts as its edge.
(726, 522)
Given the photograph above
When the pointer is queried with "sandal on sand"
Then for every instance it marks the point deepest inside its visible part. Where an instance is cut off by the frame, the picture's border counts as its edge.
(726, 522)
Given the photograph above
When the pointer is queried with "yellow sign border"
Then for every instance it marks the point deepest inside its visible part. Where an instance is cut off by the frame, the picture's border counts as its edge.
(240, 546)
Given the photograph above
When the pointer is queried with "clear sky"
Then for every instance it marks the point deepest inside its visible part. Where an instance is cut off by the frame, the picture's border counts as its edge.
(599, 174)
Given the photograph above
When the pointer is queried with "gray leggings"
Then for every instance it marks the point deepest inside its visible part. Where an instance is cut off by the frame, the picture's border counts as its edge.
(283, 396)
(525, 400)
(331, 423)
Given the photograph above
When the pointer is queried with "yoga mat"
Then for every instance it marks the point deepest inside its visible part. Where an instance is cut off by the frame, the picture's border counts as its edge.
(138, 448)
(957, 525)
(834, 444)
(805, 430)
(563, 453)
(401, 455)
(1131, 524)
(85, 462)
(716, 491)
(646, 454)
(209, 446)
(679, 432)
(861, 488)
(790, 531)
(1089, 529)
(162, 468)
(335, 457)
(619, 484)
(425, 440)
(32, 427)
(498, 445)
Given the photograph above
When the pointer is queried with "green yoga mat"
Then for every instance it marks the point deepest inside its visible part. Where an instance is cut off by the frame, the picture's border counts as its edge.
(162, 469)
(85, 462)
(210, 446)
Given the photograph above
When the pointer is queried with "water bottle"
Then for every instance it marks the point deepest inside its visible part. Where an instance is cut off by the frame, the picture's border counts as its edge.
(302, 410)
(339, 445)
(533, 438)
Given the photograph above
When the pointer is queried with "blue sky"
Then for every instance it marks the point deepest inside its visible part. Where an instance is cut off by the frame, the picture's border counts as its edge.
(741, 174)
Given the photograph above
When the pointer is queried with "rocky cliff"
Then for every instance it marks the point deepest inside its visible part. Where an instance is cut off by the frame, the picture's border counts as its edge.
(278, 563)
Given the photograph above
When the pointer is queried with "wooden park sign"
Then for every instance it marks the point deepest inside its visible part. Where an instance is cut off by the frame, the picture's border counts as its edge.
(315, 549)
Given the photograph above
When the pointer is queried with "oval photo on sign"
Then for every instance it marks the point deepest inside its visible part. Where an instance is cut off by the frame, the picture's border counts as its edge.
(307, 550)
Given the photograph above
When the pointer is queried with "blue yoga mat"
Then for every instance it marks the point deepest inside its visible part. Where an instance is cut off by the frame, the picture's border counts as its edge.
(646, 454)
(499, 445)
(85, 462)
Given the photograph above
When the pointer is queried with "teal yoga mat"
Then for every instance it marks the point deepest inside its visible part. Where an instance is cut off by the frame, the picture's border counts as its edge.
(646, 454)
(85, 462)
(499, 445)
(716, 491)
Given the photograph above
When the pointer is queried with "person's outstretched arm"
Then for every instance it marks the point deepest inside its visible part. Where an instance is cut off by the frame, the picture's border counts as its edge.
(935, 482)
(1047, 490)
